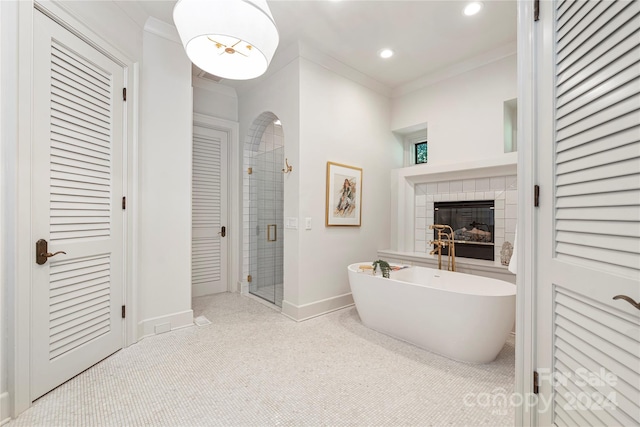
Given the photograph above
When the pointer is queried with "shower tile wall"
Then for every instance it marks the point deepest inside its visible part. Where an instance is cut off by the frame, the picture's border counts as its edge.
(267, 162)
(502, 189)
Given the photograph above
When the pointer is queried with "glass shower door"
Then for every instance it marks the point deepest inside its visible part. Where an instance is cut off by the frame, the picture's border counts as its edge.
(267, 223)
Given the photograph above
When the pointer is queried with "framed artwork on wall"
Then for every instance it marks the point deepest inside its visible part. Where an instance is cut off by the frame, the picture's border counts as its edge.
(344, 195)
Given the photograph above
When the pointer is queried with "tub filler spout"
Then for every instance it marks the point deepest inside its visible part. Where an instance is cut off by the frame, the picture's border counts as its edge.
(444, 240)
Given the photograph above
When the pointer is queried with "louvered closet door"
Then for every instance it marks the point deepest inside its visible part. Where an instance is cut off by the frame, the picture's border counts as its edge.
(588, 344)
(209, 210)
(77, 189)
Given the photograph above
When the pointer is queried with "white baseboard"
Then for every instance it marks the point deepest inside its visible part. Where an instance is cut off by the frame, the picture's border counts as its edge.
(317, 308)
(174, 321)
(4, 408)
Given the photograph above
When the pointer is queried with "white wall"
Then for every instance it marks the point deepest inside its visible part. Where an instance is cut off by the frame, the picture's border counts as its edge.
(342, 122)
(464, 114)
(164, 224)
(215, 99)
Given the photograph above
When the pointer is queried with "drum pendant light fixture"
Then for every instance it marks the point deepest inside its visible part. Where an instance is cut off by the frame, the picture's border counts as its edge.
(232, 39)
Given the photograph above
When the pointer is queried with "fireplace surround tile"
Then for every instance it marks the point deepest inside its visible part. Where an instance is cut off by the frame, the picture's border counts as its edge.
(455, 186)
(501, 189)
(469, 185)
(498, 183)
(443, 187)
(483, 184)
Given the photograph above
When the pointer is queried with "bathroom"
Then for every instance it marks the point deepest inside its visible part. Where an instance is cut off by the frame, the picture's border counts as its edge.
(309, 109)
(327, 113)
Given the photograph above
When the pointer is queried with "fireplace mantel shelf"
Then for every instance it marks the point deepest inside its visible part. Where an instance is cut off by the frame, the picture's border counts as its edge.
(505, 164)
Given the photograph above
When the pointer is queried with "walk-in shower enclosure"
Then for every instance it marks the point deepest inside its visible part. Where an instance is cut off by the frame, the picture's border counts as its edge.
(265, 221)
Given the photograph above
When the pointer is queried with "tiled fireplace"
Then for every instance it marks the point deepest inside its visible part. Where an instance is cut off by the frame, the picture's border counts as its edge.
(501, 190)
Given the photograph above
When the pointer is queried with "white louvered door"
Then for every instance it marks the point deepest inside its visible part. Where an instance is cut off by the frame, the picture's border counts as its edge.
(209, 210)
(77, 189)
(588, 228)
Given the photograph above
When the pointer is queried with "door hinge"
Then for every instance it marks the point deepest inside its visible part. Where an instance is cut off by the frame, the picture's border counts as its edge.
(535, 382)
(536, 195)
(124, 93)
(249, 278)
(536, 10)
(124, 203)
(124, 311)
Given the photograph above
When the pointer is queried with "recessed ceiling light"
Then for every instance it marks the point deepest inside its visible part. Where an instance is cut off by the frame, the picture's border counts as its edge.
(386, 53)
(473, 8)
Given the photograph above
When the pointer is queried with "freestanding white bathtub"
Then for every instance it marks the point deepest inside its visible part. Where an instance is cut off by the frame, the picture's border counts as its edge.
(457, 315)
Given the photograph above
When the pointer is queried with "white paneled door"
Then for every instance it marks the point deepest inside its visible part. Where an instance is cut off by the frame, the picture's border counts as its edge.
(77, 189)
(588, 229)
(209, 211)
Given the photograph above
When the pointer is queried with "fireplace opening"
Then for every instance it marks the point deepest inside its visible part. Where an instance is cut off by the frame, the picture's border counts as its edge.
(473, 225)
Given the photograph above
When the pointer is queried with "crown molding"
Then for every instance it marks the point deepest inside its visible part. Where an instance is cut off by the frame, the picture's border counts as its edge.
(162, 29)
(332, 64)
(221, 89)
(284, 56)
(456, 69)
(134, 11)
(302, 50)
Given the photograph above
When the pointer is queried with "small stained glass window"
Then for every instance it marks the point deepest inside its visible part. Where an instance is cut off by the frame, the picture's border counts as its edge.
(421, 152)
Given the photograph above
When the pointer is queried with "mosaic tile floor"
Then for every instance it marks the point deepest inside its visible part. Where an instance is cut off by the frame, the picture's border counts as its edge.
(254, 367)
(270, 293)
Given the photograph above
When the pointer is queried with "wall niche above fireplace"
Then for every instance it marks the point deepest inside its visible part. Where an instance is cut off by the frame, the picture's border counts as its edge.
(473, 224)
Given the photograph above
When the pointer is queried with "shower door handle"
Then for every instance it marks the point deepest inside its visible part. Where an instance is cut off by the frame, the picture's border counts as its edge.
(273, 227)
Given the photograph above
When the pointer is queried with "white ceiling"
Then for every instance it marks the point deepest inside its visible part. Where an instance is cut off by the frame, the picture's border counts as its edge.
(426, 35)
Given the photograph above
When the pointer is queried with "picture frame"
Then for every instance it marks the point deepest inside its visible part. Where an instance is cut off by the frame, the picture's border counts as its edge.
(344, 195)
